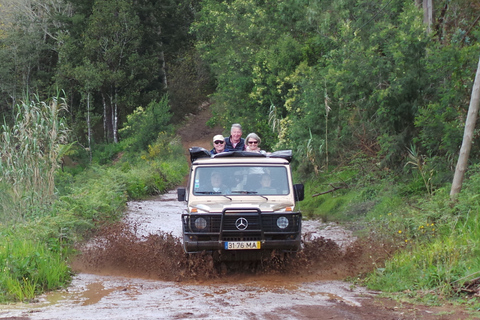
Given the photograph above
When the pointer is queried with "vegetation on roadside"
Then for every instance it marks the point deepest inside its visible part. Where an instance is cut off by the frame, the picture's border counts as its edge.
(46, 209)
(436, 239)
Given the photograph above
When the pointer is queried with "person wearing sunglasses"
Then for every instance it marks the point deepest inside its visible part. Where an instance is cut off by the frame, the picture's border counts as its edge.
(235, 142)
(218, 144)
(253, 143)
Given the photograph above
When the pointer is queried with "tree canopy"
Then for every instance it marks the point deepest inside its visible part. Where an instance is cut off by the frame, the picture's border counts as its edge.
(369, 71)
(328, 79)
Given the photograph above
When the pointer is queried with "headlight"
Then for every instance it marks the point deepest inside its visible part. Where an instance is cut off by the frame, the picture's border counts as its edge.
(282, 222)
(201, 223)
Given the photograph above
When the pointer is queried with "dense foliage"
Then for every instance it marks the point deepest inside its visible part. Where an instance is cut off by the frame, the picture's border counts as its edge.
(109, 57)
(336, 77)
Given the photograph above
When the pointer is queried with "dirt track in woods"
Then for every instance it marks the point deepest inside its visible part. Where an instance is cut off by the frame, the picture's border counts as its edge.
(137, 270)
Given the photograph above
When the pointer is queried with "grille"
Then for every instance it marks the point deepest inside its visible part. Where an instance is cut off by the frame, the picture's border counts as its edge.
(268, 223)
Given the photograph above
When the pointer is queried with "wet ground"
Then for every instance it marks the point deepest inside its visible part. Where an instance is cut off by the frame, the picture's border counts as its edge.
(137, 270)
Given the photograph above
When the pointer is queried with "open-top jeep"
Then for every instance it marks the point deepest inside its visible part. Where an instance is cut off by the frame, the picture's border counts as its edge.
(241, 205)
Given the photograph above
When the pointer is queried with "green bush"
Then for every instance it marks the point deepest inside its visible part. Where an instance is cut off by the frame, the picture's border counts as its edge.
(105, 153)
(144, 124)
(30, 267)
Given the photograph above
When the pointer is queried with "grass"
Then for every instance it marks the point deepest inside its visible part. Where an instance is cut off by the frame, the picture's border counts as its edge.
(442, 251)
(438, 240)
(29, 268)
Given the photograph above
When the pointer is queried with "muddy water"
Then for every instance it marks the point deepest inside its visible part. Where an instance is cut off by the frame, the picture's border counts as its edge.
(137, 270)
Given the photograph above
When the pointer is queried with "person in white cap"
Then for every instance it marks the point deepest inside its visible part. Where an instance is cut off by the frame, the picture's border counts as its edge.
(218, 144)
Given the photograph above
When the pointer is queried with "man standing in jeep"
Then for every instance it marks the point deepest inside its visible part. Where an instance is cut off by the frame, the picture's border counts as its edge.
(235, 142)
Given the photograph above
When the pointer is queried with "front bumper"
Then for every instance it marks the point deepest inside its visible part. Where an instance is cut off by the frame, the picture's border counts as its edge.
(218, 228)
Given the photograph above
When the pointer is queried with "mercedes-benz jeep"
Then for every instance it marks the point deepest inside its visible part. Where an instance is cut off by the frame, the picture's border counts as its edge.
(241, 205)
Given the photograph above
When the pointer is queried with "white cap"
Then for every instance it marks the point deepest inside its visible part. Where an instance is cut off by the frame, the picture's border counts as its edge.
(218, 137)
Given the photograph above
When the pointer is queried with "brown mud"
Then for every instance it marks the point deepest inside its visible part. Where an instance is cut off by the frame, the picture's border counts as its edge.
(161, 257)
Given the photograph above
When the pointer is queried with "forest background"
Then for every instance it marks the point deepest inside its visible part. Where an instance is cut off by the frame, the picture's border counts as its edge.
(371, 96)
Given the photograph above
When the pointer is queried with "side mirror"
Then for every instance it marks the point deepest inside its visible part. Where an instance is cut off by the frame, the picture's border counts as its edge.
(299, 192)
(181, 192)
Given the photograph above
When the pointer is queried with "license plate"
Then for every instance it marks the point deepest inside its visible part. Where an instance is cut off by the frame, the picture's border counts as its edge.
(242, 245)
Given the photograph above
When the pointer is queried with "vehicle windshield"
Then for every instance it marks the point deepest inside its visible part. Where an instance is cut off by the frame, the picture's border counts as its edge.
(245, 180)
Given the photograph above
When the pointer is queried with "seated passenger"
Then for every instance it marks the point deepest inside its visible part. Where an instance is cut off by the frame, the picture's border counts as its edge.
(239, 181)
(252, 142)
(217, 183)
(266, 187)
(218, 144)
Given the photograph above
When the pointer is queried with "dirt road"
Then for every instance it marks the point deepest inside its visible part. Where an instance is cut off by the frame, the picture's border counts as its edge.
(133, 273)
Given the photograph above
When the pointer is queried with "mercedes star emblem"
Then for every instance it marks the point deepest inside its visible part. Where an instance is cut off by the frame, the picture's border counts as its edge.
(241, 223)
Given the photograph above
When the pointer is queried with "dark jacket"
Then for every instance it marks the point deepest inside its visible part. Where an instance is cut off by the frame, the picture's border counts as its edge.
(239, 147)
(213, 151)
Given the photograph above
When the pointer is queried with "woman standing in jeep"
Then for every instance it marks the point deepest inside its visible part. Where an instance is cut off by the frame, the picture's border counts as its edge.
(253, 143)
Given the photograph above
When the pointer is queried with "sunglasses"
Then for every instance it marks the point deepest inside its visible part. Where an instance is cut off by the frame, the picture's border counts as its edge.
(219, 142)
(252, 142)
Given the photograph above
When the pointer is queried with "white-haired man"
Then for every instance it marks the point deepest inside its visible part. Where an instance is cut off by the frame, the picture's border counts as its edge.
(235, 142)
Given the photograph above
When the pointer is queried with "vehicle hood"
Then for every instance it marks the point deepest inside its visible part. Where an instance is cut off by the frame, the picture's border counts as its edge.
(217, 206)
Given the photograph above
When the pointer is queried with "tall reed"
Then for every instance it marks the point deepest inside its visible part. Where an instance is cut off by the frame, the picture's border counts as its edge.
(30, 150)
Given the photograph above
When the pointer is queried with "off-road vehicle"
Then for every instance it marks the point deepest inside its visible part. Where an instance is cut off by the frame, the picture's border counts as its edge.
(241, 205)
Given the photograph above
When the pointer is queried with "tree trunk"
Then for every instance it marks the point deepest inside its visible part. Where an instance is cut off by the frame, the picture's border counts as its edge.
(163, 69)
(105, 132)
(467, 137)
(428, 14)
(89, 128)
(115, 118)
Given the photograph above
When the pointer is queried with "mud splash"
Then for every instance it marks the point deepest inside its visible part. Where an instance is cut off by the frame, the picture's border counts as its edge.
(119, 251)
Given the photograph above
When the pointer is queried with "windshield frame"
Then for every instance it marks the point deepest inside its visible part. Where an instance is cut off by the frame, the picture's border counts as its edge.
(241, 180)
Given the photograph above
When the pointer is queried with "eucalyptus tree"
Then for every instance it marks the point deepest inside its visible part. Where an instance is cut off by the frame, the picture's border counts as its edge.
(114, 56)
(28, 53)
(112, 44)
(467, 137)
(104, 59)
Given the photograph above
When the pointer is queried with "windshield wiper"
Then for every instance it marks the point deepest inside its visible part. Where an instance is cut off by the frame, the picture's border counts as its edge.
(250, 192)
(208, 192)
(245, 192)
